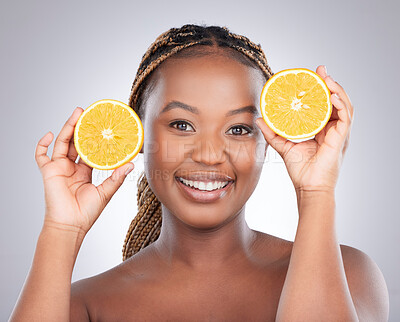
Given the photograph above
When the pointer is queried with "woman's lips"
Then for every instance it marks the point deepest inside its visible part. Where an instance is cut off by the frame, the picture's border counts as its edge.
(203, 196)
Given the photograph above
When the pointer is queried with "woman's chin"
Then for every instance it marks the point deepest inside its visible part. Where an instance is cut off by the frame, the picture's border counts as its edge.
(203, 221)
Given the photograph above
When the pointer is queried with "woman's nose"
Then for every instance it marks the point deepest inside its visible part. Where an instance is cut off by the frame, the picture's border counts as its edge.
(209, 149)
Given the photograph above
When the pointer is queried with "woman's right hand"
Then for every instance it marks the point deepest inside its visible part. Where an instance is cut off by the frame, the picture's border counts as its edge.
(72, 201)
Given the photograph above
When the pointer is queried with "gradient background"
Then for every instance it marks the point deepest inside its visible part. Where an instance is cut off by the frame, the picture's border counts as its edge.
(56, 55)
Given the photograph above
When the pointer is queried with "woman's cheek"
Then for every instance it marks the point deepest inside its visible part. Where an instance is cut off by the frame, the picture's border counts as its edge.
(175, 149)
(158, 156)
(248, 154)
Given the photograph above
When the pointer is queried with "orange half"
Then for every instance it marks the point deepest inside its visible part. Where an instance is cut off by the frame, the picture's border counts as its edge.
(108, 134)
(296, 103)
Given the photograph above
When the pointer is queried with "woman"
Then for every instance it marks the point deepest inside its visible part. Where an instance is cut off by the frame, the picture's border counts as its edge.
(197, 93)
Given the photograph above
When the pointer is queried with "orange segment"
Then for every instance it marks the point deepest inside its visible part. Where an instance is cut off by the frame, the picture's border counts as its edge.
(295, 103)
(108, 134)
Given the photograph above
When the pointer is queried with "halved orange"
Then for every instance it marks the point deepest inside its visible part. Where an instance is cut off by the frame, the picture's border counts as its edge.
(296, 103)
(108, 134)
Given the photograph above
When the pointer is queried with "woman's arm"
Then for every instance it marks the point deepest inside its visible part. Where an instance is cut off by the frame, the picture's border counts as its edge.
(73, 204)
(315, 287)
(320, 282)
(46, 292)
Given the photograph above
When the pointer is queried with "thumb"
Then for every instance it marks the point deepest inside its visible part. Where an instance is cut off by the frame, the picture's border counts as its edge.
(279, 143)
(108, 188)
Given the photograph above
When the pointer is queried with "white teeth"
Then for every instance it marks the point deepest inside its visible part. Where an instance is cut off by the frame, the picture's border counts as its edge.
(203, 186)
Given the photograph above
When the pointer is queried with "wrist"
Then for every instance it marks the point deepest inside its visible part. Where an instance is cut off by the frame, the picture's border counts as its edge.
(314, 190)
(315, 200)
(64, 231)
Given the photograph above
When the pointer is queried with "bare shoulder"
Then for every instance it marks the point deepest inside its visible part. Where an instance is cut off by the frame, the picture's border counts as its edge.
(86, 291)
(105, 293)
(366, 282)
(78, 309)
(274, 249)
(367, 285)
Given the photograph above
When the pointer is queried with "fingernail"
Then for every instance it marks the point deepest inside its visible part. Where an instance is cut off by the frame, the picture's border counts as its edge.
(127, 171)
(326, 71)
(330, 77)
(337, 96)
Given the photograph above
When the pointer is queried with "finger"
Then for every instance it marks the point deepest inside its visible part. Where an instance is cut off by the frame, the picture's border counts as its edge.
(41, 156)
(337, 96)
(344, 121)
(80, 161)
(61, 144)
(279, 143)
(108, 188)
(335, 87)
(334, 115)
(72, 153)
(321, 71)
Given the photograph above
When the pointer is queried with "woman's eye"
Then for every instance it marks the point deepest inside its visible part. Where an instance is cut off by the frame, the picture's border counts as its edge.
(180, 125)
(238, 130)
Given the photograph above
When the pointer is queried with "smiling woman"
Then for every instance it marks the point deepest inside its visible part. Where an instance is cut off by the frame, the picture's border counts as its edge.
(197, 92)
(223, 75)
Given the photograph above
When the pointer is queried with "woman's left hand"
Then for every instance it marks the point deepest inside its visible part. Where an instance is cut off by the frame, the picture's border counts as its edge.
(314, 164)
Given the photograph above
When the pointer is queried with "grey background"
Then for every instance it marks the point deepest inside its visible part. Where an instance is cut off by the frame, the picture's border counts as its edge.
(56, 55)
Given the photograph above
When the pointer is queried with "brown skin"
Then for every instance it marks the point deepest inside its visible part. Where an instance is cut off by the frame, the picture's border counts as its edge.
(206, 252)
(207, 263)
(204, 235)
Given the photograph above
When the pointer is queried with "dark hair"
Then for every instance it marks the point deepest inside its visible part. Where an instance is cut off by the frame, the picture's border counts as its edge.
(187, 41)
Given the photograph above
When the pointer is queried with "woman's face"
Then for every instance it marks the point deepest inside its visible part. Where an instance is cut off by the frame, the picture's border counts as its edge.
(196, 130)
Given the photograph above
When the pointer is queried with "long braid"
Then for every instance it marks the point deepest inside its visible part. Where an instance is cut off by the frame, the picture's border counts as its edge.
(140, 231)
(146, 226)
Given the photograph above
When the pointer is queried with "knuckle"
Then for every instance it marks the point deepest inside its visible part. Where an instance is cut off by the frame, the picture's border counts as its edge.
(103, 196)
(340, 87)
(39, 145)
(70, 123)
(62, 139)
(40, 156)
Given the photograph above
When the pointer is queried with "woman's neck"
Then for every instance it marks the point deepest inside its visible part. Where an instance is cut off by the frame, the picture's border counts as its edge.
(204, 249)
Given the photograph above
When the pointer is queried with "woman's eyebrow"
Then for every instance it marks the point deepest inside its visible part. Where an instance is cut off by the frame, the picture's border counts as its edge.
(245, 109)
(176, 104)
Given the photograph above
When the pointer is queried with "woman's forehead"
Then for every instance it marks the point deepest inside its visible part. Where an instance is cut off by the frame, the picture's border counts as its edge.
(214, 69)
(208, 80)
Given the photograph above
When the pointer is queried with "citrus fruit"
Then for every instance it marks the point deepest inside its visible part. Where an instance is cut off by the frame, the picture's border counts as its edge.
(296, 103)
(108, 134)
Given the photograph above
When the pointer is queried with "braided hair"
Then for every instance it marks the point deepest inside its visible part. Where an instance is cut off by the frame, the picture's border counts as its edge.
(146, 226)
